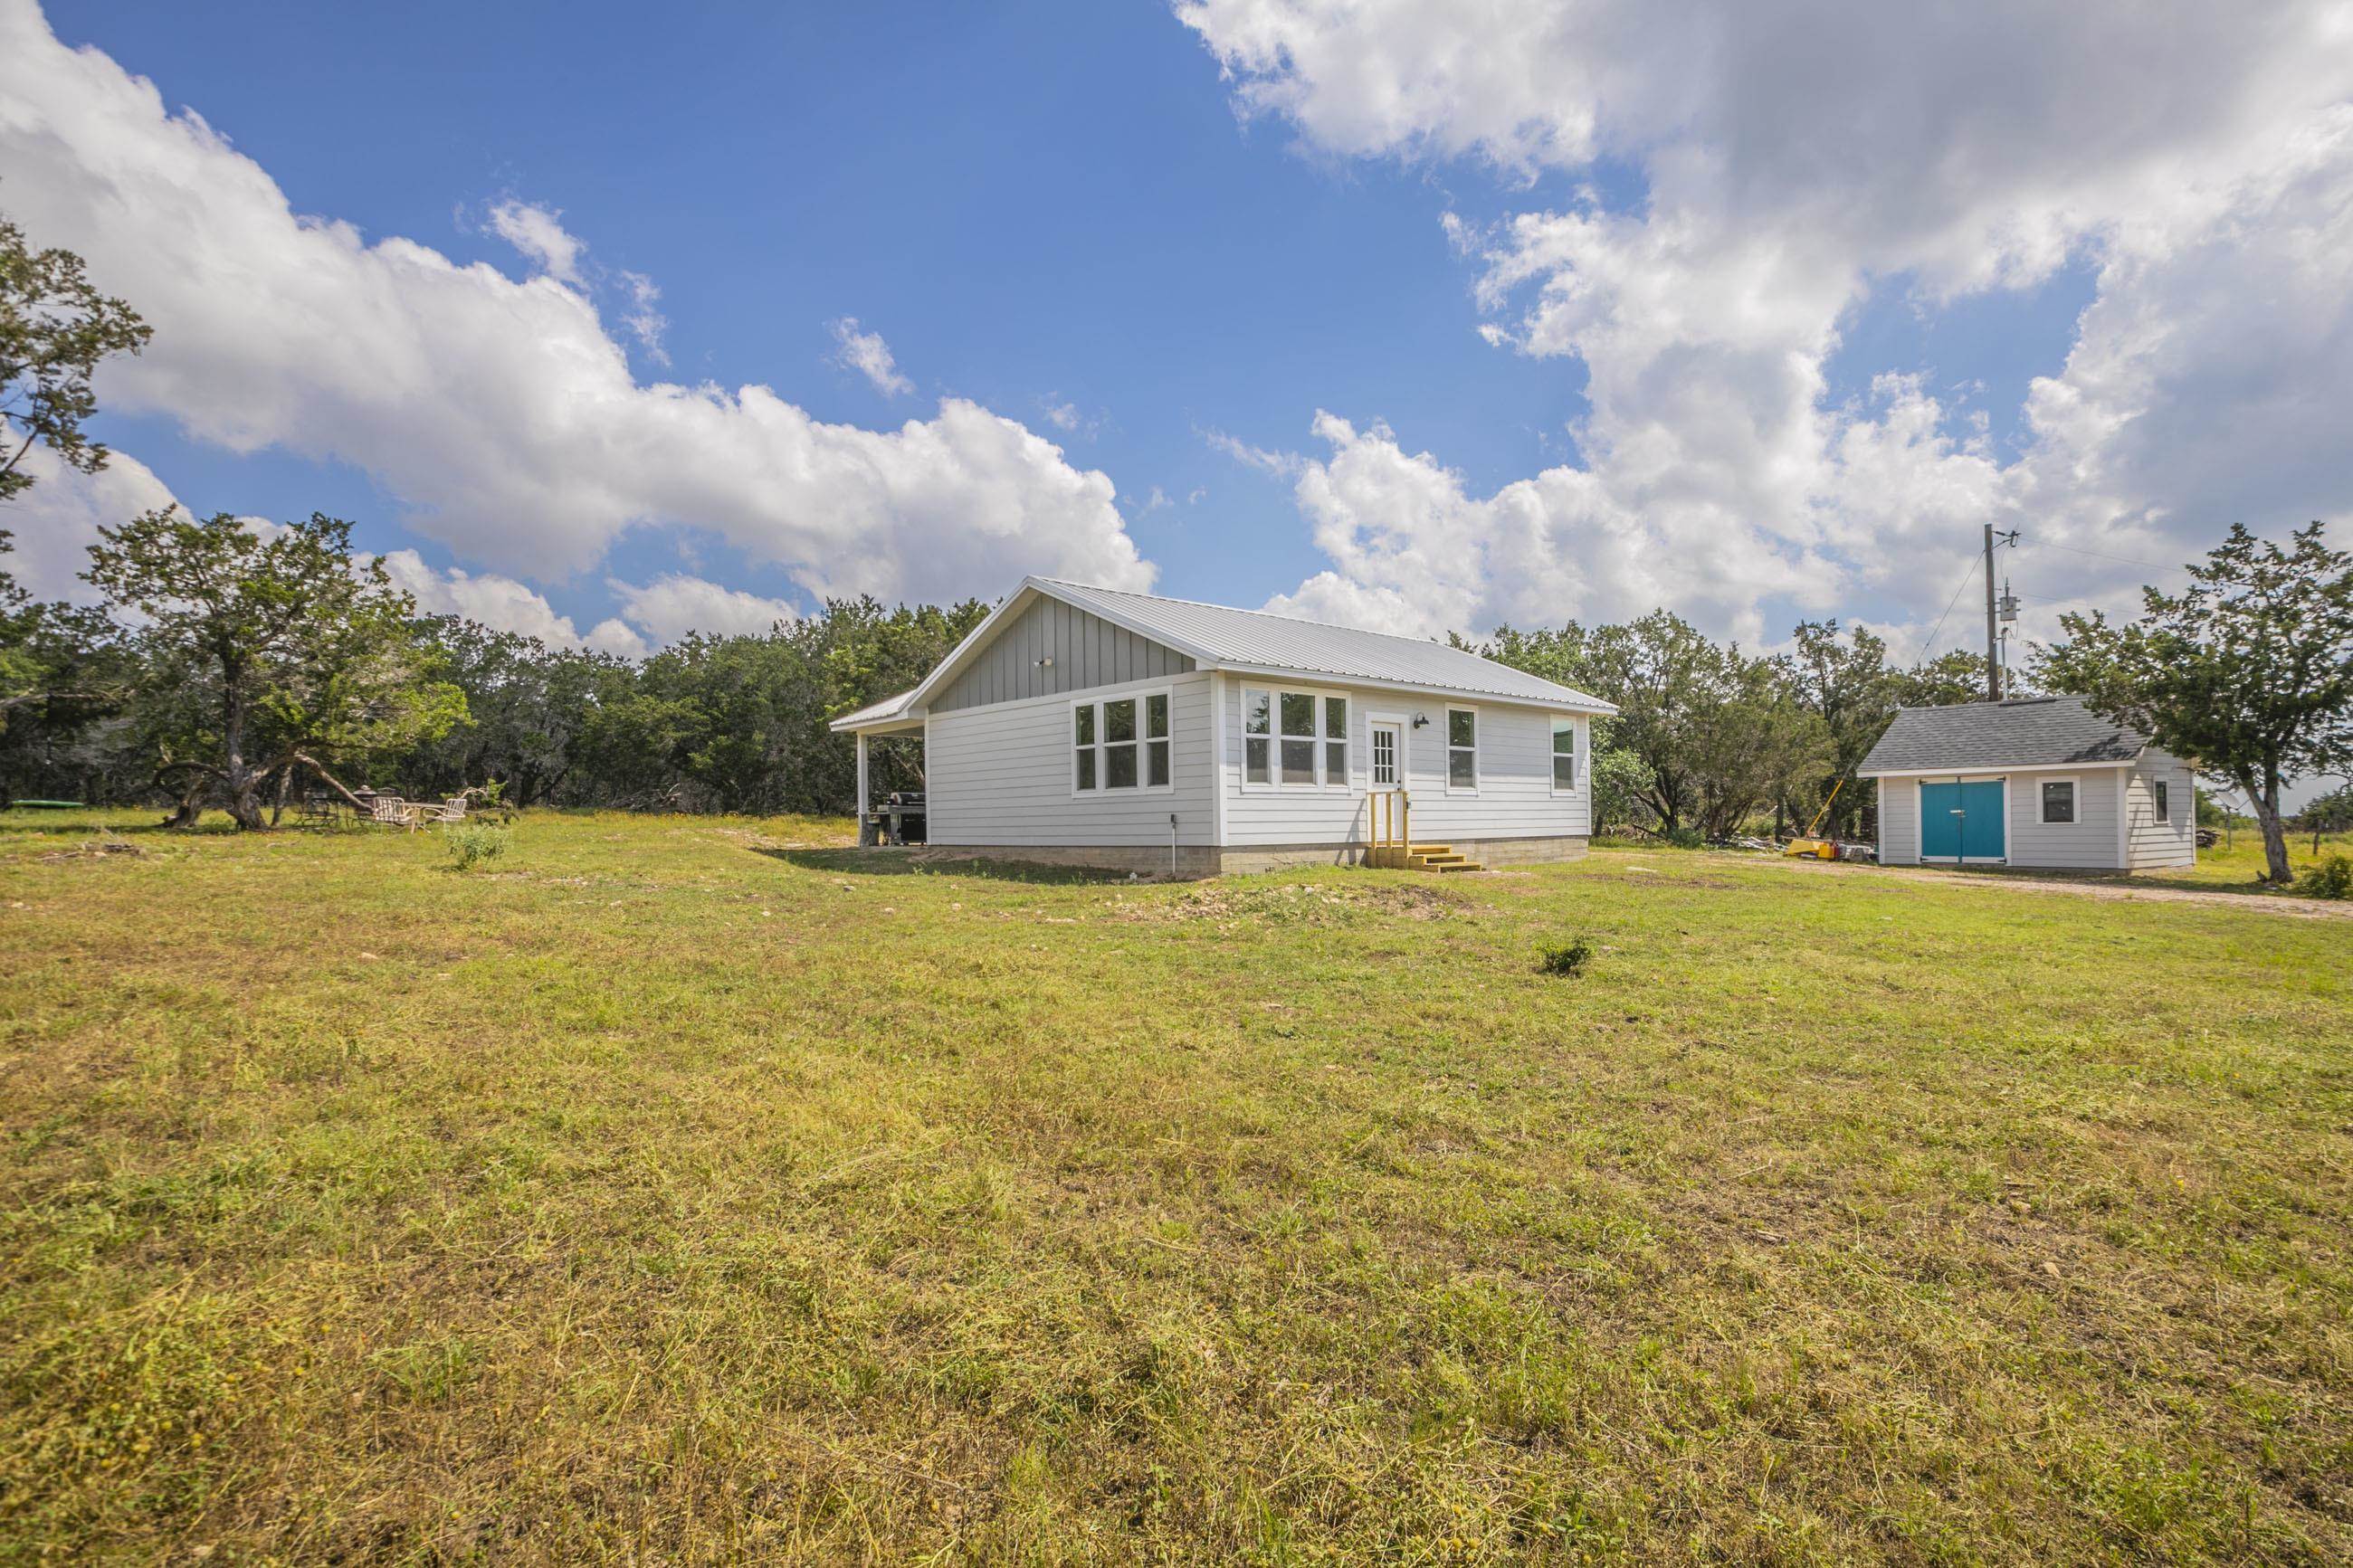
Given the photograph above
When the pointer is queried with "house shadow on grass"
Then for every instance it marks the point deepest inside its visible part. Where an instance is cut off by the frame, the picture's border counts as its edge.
(919, 863)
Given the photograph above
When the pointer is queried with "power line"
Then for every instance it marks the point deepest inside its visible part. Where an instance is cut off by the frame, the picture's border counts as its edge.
(1968, 578)
(2104, 555)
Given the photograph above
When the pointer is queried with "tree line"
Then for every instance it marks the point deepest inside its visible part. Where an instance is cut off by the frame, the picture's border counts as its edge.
(230, 664)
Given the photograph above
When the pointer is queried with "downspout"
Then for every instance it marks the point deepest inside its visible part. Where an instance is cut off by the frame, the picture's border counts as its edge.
(1172, 846)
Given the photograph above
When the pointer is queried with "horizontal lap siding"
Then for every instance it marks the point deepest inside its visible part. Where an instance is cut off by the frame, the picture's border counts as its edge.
(2089, 843)
(2150, 844)
(1087, 651)
(1001, 775)
(1899, 823)
(1515, 798)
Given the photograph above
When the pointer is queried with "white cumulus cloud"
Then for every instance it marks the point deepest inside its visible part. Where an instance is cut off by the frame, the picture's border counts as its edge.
(502, 414)
(671, 605)
(1794, 162)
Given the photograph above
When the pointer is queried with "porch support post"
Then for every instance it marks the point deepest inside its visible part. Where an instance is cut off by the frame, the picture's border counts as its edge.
(864, 800)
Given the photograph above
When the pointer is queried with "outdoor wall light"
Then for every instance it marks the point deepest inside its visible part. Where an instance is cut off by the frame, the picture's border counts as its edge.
(1421, 720)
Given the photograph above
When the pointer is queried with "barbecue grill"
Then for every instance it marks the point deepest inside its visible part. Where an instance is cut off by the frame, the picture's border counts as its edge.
(900, 819)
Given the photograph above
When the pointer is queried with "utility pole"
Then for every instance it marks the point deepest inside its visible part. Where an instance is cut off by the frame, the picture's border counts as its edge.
(1993, 637)
(1993, 653)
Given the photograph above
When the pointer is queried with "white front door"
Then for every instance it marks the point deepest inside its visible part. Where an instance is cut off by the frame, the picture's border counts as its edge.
(1388, 753)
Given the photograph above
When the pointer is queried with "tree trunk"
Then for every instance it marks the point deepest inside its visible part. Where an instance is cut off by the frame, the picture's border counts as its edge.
(2267, 815)
(285, 785)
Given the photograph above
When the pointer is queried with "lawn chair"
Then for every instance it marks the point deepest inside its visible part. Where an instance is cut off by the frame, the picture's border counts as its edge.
(391, 811)
(449, 811)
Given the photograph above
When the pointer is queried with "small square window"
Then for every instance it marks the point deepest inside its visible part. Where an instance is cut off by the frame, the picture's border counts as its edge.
(2058, 801)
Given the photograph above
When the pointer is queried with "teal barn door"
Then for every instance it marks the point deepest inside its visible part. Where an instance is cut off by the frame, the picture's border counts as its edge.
(1962, 821)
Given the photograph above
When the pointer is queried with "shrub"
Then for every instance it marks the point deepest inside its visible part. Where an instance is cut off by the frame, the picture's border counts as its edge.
(473, 843)
(1687, 838)
(1569, 961)
(2330, 878)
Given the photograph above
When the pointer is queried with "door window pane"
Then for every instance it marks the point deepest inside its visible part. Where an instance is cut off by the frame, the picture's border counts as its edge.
(1383, 755)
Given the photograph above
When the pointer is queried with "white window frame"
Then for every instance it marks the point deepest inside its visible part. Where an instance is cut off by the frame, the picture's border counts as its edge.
(1324, 784)
(1575, 754)
(2160, 800)
(2075, 799)
(1141, 696)
(1478, 741)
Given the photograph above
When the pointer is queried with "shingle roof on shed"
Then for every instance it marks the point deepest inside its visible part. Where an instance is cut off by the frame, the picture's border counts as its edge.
(2024, 732)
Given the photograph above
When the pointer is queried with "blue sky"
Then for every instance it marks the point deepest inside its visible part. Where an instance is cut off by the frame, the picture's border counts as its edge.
(1353, 311)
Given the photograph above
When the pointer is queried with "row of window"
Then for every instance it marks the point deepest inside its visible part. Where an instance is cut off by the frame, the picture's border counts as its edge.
(1291, 740)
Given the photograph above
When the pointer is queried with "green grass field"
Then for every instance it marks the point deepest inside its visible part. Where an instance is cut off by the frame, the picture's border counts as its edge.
(678, 1190)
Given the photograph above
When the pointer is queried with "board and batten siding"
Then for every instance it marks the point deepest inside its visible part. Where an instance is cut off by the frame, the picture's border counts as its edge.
(1087, 651)
(2151, 844)
(1002, 775)
(1515, 798)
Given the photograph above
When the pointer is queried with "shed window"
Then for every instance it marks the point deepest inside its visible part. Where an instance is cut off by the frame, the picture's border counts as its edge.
(1461, 749)
(1288, 743)
(1120, 742)
(2157, 792)
(2058, 801)
(1564, 755)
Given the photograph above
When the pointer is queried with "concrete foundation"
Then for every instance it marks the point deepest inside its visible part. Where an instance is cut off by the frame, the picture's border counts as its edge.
(1196, 861)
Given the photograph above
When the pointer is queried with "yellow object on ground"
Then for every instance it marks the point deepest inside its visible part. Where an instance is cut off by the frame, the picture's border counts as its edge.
(1818, 849)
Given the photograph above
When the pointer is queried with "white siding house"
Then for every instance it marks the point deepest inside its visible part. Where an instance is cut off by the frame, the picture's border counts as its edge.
(2039, 780)
(1082, 725)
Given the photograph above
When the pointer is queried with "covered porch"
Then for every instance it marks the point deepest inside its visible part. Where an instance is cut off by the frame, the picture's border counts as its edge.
(891, 784)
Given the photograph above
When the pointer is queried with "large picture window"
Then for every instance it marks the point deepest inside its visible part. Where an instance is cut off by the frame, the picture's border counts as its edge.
(1120, 743)
(1564, 755)
(1295, 739)
(1461, 749)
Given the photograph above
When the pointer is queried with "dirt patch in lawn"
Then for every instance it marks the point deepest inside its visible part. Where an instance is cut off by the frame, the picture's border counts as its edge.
(1297, 903)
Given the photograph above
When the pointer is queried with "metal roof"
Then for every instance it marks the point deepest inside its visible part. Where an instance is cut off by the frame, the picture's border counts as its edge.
(1257, 642)
(1257, 639)
(876, 712)
(2023, 733)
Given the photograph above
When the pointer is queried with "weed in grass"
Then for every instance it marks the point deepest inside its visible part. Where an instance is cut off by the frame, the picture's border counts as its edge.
(473, 844)
(1569, 961)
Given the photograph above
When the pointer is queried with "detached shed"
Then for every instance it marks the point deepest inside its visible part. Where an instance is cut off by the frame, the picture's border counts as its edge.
(2036, 781)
